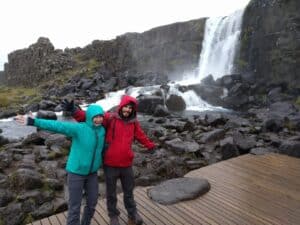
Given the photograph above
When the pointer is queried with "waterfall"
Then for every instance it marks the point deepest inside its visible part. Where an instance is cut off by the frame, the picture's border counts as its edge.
(221, 39)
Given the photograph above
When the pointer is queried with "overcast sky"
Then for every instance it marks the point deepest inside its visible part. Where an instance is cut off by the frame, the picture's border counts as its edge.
(76, 23)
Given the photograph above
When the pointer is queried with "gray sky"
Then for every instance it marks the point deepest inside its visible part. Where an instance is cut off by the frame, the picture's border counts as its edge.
(76, 23)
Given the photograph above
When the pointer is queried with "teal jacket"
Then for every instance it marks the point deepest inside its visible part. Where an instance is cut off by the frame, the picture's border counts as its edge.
(85, 155)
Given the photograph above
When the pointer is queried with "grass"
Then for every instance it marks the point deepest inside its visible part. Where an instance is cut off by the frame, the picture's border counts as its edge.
(16, 96)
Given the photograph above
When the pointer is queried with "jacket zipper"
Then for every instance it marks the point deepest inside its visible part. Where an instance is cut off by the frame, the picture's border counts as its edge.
(94, 153)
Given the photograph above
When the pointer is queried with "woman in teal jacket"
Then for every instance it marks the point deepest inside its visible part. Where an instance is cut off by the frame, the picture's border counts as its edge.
(85, 158)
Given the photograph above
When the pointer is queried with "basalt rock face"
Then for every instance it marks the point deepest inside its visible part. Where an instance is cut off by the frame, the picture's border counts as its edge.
(167, 50)
(173, 49)
(37, 63)
(270, 44)
(1, 77)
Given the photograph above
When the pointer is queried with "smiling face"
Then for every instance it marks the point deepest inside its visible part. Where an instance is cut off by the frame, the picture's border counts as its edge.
(126, 110)
(97, 120)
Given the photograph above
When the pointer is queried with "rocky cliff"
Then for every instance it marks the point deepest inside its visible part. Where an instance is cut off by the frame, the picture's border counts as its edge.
(1, 77)
(270, 41)
(168, 50)
(38, 62)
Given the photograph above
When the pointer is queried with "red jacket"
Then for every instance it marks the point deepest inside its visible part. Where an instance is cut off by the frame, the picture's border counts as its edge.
(120, 134)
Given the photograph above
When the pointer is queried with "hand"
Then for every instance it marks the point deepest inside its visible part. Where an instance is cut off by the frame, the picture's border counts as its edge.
(68, 106)
(25, 119)
(152, 150)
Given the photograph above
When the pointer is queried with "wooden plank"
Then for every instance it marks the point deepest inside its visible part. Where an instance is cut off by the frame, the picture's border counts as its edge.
(45, 221)
(166, 210)
(246, 190)
(53, 220)
(62, 219)
(144, 214)
(256, 203)
(221, 179)
(102, 214)
(99, 217)
(160, 213)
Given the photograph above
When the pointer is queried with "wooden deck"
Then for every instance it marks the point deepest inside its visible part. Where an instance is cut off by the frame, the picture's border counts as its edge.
(246, 190)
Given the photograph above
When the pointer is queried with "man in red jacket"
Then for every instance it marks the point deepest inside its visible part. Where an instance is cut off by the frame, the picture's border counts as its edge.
(122, 128)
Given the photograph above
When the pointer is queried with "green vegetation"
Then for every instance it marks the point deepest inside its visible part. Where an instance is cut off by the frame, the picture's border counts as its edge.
(246, 37)
(28, 219)
(241, 63)
(15, 96)
(297, 102)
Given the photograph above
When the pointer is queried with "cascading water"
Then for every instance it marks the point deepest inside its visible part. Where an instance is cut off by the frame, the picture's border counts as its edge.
(221, 40)
(220, 43)
(218, 48)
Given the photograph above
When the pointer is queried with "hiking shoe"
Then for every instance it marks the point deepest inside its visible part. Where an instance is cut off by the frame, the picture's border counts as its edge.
(135, 220)
(114, 221)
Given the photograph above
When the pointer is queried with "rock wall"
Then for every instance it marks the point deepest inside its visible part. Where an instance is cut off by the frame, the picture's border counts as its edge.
(270, 44)
(37, 63)
(171, 49)
(1, 78)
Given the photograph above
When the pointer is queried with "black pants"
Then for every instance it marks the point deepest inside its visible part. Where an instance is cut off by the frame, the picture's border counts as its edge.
(112, 174)
(76, 185)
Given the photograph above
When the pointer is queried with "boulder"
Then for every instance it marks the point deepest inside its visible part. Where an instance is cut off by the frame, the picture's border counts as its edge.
(179, 189)
(175, 103)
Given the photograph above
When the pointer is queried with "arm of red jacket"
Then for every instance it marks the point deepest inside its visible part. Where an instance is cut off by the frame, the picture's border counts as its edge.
(79, 115)
(142, 137)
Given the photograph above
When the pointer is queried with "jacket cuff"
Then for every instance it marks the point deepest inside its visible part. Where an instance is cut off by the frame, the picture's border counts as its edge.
(30, 121)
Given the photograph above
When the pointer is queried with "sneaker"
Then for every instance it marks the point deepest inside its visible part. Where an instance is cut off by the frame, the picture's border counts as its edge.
(114, 221)
(135, 220)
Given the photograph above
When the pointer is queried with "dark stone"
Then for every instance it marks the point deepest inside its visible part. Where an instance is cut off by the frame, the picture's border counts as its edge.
(175, 103)
(180, 189)
(6, 196)
(291, 148)
(50, 115)
(148, 104)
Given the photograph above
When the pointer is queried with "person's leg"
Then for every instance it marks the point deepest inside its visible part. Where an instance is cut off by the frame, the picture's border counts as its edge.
(127, 181)
(75, 187)
(111, 177)
(92, 191)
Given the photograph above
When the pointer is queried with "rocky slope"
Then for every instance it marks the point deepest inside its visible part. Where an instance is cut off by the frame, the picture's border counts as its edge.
(270, 43)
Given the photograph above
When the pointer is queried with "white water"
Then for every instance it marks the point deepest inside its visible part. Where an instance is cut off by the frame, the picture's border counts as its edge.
(218, 49)
(221, 41)
(219, 45)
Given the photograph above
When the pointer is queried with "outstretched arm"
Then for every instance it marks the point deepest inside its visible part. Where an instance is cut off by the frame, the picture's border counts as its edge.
(142, 137)
(68, 128)
(79, 115)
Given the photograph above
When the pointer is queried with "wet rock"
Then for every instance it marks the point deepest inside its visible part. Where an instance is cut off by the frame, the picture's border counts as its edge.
(6, 196)
(212, 136)
(26, 178)
(180, 146)
(291, 148)
(175, 103)
(180, 189)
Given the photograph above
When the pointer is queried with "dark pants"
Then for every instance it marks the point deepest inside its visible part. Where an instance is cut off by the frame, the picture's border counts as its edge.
(127, 180)
(76, 185)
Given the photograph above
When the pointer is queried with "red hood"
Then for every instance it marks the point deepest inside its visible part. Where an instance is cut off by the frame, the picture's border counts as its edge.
(126, 99)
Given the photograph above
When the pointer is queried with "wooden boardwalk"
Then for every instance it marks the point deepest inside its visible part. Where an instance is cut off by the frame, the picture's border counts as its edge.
(246, 190)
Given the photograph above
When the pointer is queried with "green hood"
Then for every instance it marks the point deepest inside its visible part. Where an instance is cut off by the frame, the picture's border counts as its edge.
(92, 111)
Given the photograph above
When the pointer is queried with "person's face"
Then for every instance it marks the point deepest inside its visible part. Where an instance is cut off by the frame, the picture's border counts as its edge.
(126, 110)
(97, 120)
